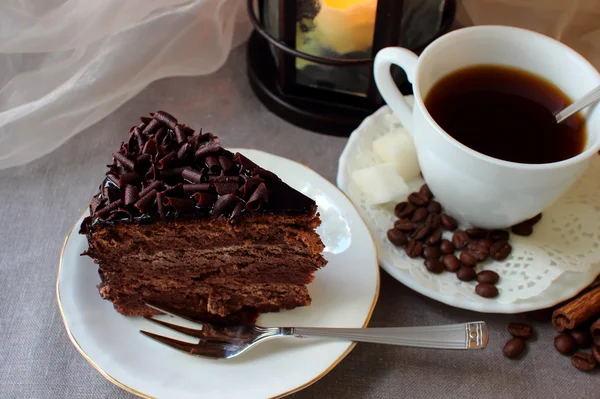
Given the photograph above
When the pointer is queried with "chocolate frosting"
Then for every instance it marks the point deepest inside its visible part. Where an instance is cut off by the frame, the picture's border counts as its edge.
(166, 170)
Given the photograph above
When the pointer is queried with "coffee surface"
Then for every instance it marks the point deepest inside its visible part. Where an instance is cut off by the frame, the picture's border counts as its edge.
(506, 113)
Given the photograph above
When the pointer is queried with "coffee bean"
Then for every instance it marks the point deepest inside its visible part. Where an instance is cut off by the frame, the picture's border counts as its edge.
(596, 353)
(446, 247)
(466, 273)
(424, 190)
(397, 237)
(434, 266)
(514, 347)
(418, 199)
(485, 243)
(497, 235)
(421, 232)
(434, 207)
(534, 219)
(486, 290)
(404, 225)
(583, 361)
(434, 238)
(565, 344)
(520, 330)
(582, 337)
(434, 221)
(500, 250)
(460, 239)
(419, 215)
(451, 262)
(431, 252)
(490, 277)
(404, 210)
(414, 249)
(522, 229)
(481, 254)
(448, 222)
(467, 259)
(476, 233)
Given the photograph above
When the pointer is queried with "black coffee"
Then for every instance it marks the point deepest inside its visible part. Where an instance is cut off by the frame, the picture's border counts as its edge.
(506, 113)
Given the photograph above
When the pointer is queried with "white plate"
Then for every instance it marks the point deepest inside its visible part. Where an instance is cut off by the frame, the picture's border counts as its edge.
(442, 287)
(344, 294)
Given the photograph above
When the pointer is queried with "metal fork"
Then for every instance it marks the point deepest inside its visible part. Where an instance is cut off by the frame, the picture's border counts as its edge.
(223, 342)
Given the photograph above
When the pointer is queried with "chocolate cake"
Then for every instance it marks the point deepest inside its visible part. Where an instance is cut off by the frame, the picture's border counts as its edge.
(184, 224)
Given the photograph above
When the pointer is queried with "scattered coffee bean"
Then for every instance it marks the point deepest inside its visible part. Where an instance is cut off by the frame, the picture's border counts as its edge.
(419, 215)
(476, 233)
(596, 353)
(404, 210)
(451, 263)
(434, 238)
(485, 243)
(414, 249)
(397, 237)
(582, 336)
(522, 229)
(486, 290)
(424, 190)
(565, 344)
(514, 347)
(583, 361)
(490, 277)
(446, 247)
(500, 250)
(418, 199)
(434, 266)
(481, 254)
(404, 225)
(497, 235)
(534, 219)
(466, 273)
(460, 239)
(434, 221)
(434, 207)
(520, 330)
(421, 232)
(448, 222)
(467, 259)
(431, 252)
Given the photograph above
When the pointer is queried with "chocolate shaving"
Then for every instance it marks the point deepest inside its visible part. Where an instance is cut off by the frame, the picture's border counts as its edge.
(128, 178)
(175, 191)
(152, 173)
(194, 188)
(160, 198)
(123, 160)
(245, 163)
(225, 188)
(224, 203)
(250, 185)
(144, 202)
(180, 133)
(145, 119)
(225, 163)
(172, 173)
(166, 118)
(224, 179)
(183, 152)
(142, 163)
(151, 127)
(204, 200)
(150, 148)
(212, 163)
(131, 194)
(113, 179)
(155, 185)
(258, 198)
(96, 203)
(167, 160)
(237, 211)
(179, 204)
(192, 175)
(207, 143)
(105, 212)
(120, 214)
(160, 136)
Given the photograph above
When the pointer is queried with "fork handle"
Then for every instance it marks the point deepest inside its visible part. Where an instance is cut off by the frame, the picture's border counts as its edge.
(472, 335)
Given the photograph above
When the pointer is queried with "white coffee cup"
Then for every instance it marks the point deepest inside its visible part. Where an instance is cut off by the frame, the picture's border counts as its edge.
(475, 188)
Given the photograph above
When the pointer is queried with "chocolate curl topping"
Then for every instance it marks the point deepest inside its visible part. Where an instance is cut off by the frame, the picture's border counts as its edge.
(160, 197)
(120, 214)
(105, 212)
(194, 188)
(128, 178)
(207, 144)
(114, 179)
(155, 185)
(225, 188)
(224, 203)
(175, 191)
(192, 175)
(150, 148)
(225, 162)
(224, 179)
(237, 211)
(172, 173)
(249, 186)
(152, 173)
(151, 127)
(126, 162)
(245, 163)
(258, 198)
(180, 204)
(204, 200)
(145, 119)
(95, 204)
(142, 163)
(212, 163)
(166, 118)
(183, 152)
(144, 203)
(167, 160)
(131, 194)
(181, 133)
(160, 135)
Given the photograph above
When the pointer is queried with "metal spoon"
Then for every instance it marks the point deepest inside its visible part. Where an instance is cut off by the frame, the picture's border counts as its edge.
(583, 102)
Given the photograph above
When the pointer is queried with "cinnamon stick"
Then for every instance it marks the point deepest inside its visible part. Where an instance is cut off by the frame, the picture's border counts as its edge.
(595, 330)
(577, 311)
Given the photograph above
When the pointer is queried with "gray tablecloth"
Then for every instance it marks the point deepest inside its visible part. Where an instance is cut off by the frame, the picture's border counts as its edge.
(40, 202)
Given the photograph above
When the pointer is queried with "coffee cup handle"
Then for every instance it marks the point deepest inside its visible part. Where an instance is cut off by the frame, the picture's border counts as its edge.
(406, 60)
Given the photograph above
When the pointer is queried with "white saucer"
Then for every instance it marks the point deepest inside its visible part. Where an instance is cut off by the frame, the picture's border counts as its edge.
(344, 294)
(554, 264)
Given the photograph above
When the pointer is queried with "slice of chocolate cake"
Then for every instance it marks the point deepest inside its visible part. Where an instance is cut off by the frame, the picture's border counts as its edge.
(182, 223)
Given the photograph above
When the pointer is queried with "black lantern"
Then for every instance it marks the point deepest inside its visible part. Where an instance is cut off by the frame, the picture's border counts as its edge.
(310, 61)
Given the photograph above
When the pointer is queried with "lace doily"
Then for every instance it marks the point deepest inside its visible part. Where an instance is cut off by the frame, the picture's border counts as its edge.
(566, 240)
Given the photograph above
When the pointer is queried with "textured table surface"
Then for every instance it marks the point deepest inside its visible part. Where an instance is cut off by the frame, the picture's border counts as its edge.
(39, 203)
